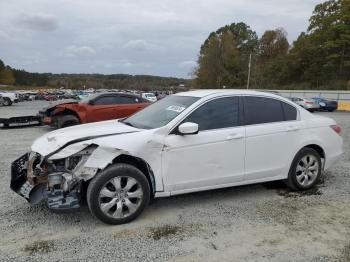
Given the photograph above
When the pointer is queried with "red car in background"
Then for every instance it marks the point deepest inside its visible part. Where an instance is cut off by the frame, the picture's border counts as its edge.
(98, 107)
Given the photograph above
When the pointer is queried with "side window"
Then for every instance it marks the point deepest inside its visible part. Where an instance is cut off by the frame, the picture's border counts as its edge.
(128, 100)
(290, 112)
(259, 110)
(107, 100)
(218, 113)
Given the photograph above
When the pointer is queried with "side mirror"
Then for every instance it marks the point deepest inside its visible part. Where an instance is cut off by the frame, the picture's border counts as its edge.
(188, 128)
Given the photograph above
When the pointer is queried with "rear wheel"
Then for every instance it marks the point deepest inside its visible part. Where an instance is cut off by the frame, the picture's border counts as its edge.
(305, 170)
(68, 120)
(118, 194)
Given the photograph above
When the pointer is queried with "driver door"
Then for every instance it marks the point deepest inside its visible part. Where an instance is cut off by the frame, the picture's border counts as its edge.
(213, 157)
(102, 109)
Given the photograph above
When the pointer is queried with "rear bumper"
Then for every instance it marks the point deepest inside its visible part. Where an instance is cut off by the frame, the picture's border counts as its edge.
(312, 107)
(329, 107)
(332, 160)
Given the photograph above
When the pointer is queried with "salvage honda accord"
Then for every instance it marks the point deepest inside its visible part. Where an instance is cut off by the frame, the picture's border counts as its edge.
(193, 141)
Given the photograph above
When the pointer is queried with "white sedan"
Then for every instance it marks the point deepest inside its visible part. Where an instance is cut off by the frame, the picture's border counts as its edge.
(188, 142)
(149, 96)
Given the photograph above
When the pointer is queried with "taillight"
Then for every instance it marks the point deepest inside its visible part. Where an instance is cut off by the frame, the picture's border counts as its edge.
(336, 129)
(309, 102)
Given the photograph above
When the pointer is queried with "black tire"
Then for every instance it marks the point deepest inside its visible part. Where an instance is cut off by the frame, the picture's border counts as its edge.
(67, 120)
(102, 179)
(7, 101)
(292, 181)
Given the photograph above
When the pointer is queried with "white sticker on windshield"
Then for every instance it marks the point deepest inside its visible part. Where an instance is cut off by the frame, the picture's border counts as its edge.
(178, 109)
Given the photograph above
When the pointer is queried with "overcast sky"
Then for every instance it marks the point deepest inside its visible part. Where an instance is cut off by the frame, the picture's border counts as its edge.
(158, 37)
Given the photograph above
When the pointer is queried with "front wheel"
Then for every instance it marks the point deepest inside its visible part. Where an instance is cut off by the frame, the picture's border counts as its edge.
(67, 120)
(7, 101)
(305, 170)
(118, 194)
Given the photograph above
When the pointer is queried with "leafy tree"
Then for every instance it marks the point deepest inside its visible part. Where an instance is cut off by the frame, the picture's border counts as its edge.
(322, 54)
(224, 56)
(271, 57)
(6, 76)
(2, 65)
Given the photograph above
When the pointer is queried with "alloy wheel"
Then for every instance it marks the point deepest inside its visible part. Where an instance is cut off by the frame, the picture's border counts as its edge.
(307, 170)
(120, 197)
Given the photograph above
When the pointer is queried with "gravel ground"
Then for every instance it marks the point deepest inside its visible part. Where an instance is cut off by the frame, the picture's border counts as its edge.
(262, 222)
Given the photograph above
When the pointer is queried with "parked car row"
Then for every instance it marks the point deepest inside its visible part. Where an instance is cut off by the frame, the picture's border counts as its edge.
(315, 103)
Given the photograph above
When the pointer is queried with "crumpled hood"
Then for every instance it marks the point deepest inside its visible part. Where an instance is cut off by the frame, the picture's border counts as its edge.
(54, 140)
(58, 103)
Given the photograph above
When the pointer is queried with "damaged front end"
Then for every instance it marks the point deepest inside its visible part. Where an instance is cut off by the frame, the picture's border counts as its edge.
(35, 178)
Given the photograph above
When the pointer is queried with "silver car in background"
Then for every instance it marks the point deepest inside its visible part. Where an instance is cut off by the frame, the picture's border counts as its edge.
(307, 103)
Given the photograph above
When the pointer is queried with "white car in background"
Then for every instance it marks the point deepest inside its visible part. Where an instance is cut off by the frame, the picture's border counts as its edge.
(188, 142)
(9, 98)
(149, 96)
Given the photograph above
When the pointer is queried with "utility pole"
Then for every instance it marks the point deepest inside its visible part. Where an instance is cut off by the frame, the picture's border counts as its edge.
(249, 66)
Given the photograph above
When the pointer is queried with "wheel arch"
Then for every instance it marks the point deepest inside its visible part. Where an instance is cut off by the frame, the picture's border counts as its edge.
(68, 111)
(318, 149)
(142, 165)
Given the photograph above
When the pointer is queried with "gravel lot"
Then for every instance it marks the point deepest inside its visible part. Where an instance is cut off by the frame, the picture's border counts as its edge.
(262, 222)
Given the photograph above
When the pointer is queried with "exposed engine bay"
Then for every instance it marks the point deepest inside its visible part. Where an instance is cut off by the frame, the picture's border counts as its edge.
(36, 178)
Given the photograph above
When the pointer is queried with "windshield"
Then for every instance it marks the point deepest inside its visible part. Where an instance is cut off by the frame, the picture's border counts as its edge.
(160, 113)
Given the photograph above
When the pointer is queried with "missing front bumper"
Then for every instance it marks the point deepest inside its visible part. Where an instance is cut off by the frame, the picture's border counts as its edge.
(34, 190)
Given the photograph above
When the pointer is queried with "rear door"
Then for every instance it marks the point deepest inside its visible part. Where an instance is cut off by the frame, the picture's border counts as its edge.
(272, 132)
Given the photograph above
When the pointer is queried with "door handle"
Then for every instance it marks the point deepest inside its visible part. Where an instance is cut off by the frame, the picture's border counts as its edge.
(234, 136)
(292, 128)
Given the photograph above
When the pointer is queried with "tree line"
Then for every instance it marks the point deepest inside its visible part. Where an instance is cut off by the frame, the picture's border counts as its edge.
(318, 59)
(21, 78)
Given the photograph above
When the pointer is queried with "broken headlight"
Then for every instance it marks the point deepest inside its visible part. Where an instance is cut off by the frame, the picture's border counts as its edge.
(72, 162)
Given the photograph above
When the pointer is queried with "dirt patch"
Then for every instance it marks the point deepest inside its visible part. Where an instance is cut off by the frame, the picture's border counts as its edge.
(39, 246)
(168, 230)
(283, 190)
(346, 253)
(165, 231)
(315, 191)
(125, 233)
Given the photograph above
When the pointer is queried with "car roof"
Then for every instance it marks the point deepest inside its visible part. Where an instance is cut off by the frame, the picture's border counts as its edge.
(210, 92)
(115, 93)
